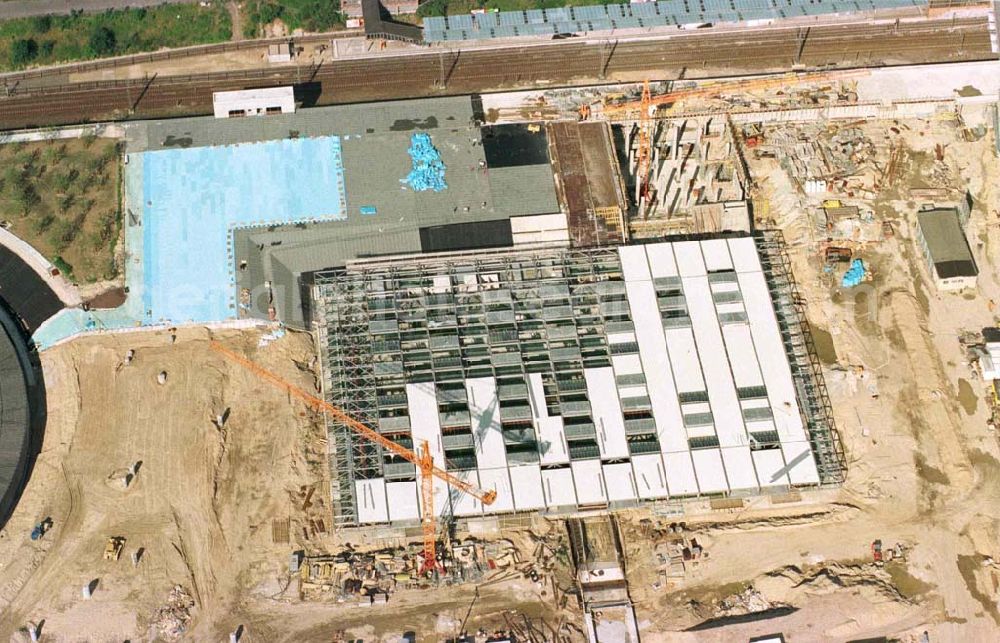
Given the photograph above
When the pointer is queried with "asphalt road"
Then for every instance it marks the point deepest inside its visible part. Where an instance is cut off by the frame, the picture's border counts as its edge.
(27, 8)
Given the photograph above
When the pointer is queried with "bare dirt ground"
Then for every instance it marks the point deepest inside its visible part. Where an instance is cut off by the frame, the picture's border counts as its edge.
(200, 506)
(923, 466)
(924, 471)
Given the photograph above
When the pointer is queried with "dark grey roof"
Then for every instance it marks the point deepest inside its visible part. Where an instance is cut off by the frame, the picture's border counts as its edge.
(15, 427)
(25, 291)
(946, 243)
(374, 144)
(379, 24)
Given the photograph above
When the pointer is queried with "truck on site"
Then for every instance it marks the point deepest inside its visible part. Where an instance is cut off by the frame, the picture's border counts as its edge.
(113, 548)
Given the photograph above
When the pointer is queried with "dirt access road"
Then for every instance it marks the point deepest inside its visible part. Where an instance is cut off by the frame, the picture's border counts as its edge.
(200, 507)
(924, 468)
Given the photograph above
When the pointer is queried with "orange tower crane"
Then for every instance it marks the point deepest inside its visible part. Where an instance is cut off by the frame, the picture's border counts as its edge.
(645, 151)
(713, 89)
(424, 462)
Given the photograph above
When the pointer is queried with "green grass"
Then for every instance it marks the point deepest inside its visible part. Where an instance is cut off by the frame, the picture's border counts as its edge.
(455, 7)
(309, 15)
(47, 40)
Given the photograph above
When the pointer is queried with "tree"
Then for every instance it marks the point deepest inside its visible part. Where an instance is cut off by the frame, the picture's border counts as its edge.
(102, 41)
(23, 51)
(321, 16)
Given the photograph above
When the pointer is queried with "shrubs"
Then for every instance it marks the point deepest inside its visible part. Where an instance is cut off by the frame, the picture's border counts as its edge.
(23, 51)
(52, 39)
(102, 42)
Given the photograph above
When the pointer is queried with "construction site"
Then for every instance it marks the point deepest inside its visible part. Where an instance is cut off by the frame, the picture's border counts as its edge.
(653, 360)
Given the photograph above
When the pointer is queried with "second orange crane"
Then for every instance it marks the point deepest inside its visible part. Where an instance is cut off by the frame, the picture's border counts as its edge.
(424, 461)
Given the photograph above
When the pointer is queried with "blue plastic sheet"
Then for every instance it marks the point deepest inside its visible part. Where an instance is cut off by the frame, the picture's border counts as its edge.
(428, 168)
(854, 275)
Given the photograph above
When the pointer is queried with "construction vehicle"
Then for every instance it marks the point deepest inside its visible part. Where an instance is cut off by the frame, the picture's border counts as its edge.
(424, 461)
(113, 548)
(628, 109)
(877, 552)
(40, 529)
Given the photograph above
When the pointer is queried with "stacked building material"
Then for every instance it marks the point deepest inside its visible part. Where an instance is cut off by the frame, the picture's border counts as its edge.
(855, 274)
(428, 168)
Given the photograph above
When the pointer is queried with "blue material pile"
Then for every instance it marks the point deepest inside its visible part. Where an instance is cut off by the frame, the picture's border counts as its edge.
(854, 275)
(428, 169)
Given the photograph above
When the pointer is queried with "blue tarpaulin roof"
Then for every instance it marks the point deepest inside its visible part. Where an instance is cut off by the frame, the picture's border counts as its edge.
(428, 168)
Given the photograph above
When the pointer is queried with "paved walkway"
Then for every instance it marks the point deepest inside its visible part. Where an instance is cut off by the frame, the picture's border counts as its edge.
(27, 8)
(66, 293)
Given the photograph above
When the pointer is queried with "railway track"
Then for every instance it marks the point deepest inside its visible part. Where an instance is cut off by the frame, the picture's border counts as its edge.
(570, 62)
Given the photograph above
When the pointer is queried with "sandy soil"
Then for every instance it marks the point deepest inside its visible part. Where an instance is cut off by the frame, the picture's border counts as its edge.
(200, 507)
(923, 466)
(924, 471)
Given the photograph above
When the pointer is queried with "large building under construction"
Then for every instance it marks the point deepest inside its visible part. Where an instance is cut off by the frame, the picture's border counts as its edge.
(568, 378)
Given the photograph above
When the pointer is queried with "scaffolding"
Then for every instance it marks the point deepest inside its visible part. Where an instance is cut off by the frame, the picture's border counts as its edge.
(437, 320)
(807, 371)
(441, 319)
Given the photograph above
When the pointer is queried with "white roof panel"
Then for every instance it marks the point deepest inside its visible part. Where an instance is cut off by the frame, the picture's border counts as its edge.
(755, 403)
(549, 430)
(770, 467)
(538, 223)
(680, 473)
(621, 338)
(649, 475)
(653, 352)
(425, 424)
(589, 481)
(484, 413)
(618, 479)
(716, 252)
(776, 372)
(627, 364)
(756, 426)
(715, 364)
(402, 500)
(744, 254)
(607, 412)
(696, 407)
(800, 463)
(536, 395)
(551, 440)
(372, 505)
(558, 487)
(526, 482)
(730, 307)
(634, 264)
(661, 260)
(742, 356)
(711, 473)
(466, 504)
(739, 468)
(684, 360)
(725, 286)
(689, 259)
(498, 480)
(632, 391)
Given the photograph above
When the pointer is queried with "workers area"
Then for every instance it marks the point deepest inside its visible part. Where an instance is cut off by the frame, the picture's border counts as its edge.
(536, 366)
